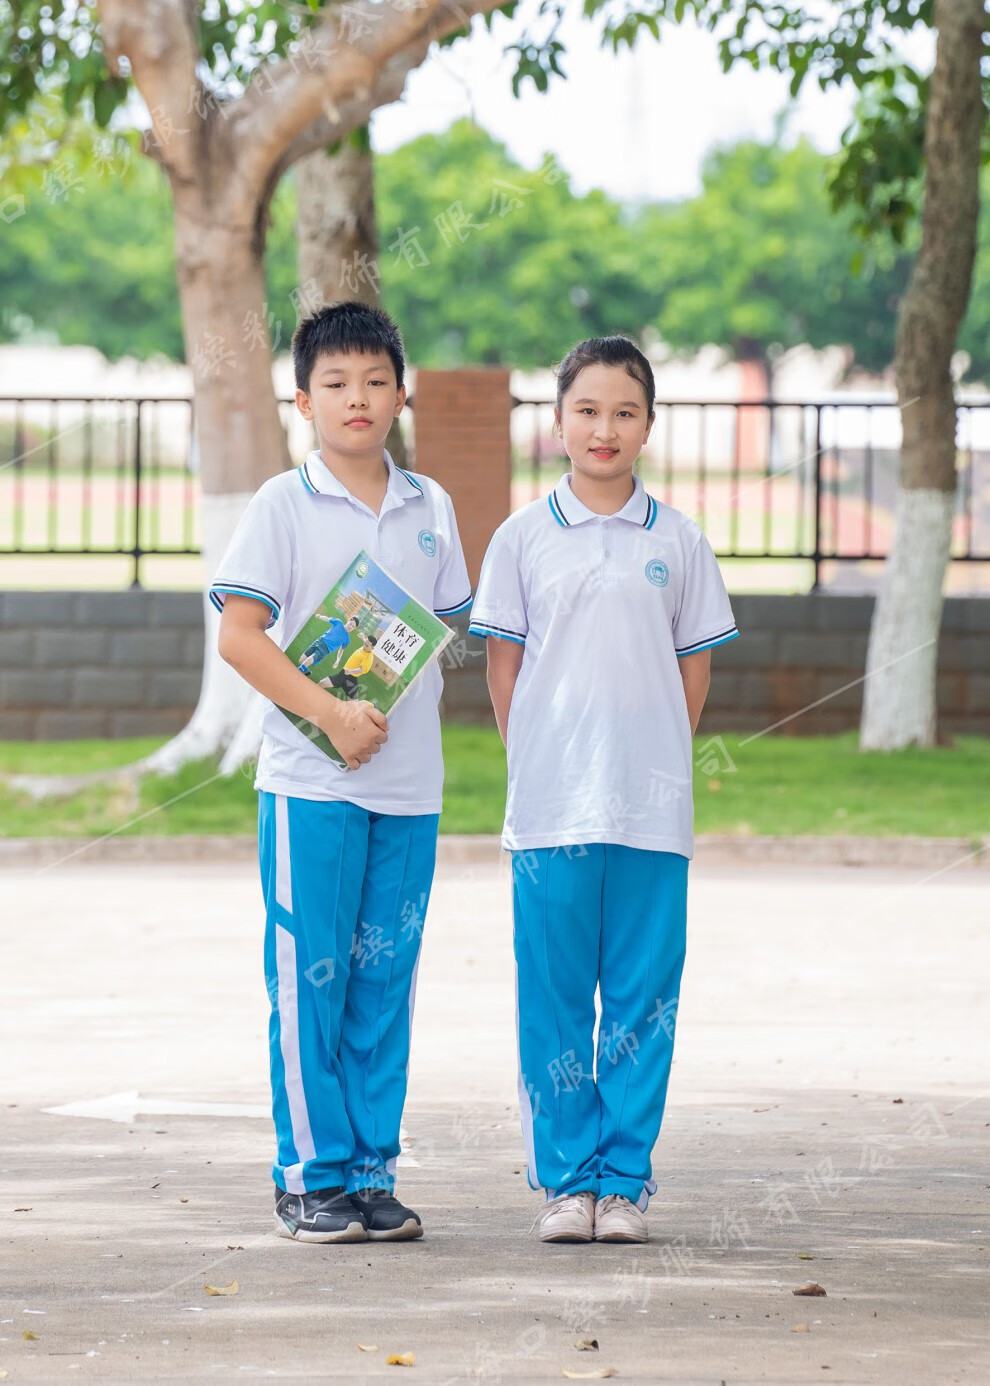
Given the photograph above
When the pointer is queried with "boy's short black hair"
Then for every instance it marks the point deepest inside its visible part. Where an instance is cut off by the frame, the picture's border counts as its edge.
(345, 327)
(372, 639)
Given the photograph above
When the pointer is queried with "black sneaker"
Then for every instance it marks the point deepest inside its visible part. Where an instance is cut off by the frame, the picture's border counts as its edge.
(322, 1215)
(386, 1219)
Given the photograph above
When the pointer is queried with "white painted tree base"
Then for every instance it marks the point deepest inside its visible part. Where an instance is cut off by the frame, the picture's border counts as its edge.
(226, 702)
(899, 692)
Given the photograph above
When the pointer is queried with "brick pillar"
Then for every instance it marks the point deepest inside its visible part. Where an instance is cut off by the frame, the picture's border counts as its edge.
(461, 423)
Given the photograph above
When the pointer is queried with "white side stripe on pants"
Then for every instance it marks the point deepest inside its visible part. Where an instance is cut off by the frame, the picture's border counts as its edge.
(526, 1109)
(288, 1005)
(391, 1164)
(288, 1024)
(283, 871)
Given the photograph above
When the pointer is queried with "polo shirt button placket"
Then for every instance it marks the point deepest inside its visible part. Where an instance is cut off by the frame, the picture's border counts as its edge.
(608, 574)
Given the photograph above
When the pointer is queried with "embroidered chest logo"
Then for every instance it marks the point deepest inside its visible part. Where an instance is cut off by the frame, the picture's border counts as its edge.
(428, 542)
(658, 572)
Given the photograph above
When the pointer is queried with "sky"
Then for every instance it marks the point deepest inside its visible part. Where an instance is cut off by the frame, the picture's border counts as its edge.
(637, 125)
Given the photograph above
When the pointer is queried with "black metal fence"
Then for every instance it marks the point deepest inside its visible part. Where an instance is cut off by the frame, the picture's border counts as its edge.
(770, 480)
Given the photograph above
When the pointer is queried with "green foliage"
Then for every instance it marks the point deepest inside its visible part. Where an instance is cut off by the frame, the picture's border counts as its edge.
(878, 173)
(46, 44)
(91, 260)
(759, 259)
(483, 261)
(974, 335)
(54, 42)
(880, 166)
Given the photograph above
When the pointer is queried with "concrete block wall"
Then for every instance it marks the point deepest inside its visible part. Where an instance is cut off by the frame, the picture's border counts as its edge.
(98, 664)
(795, 650)
(113, 664)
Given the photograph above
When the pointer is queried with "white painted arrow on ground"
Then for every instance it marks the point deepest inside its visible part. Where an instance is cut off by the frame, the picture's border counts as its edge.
(124, 1107)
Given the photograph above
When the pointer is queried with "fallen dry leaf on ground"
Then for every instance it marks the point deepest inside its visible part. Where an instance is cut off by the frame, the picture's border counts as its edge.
(587, 1345)
(230, 1289)
(401, 1359)
(812, 1288)
(803, 1256)
(590, 1376)
(367, 1347)
(801, 1328)
(29, 1336)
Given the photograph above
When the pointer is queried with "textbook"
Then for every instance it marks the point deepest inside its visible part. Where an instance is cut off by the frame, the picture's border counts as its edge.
(368, 640)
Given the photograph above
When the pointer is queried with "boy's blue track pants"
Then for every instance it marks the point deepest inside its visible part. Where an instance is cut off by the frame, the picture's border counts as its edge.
(346, 892)
(596, 916)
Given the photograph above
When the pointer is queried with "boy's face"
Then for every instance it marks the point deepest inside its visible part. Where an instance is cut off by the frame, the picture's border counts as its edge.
(604, 421)
(352, 399)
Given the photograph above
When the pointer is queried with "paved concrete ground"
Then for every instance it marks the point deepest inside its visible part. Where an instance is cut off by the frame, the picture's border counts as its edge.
(830, 1100)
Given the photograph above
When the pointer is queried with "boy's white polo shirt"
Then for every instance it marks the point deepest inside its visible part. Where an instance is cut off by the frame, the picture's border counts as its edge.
(599, 742)
(297, 536)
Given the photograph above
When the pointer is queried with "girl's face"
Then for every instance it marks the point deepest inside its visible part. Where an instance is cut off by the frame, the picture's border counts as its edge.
(604, 421)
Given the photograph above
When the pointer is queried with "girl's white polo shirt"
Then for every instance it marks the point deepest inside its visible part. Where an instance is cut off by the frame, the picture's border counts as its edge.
(599, 742)
(297, 536)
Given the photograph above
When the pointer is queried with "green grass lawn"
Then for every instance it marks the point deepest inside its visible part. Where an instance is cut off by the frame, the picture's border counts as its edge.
(779, 785)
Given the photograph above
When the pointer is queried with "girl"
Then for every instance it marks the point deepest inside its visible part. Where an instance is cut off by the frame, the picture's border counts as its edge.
(600, 607)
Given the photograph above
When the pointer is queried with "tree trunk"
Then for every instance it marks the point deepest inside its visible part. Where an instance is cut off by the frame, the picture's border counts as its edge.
(899, 707)
(338, 232)
(224, 158)
(239, 436)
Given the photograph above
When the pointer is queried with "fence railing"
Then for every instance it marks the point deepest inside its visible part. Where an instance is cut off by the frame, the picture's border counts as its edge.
(810, 480)
(769, 479)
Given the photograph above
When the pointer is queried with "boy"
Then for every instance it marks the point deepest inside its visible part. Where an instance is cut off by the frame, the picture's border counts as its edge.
(336, 637)
(345, 856)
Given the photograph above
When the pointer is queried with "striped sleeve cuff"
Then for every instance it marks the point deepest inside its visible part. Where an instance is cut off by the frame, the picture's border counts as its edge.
(486, 629)
(443, 611)
(220, 590)
(709, 643)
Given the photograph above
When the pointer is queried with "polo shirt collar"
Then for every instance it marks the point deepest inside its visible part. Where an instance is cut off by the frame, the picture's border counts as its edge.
(640, 509)
(319, 480)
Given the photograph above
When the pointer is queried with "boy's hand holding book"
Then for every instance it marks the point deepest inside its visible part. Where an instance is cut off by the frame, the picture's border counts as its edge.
(356, 729)
(408, 638)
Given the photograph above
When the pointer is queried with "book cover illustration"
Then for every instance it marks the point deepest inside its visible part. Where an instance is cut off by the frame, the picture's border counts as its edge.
(367, 640)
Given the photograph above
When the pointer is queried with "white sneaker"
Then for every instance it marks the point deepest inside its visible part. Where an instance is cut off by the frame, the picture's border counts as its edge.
(618, 1220)
(568, 1218)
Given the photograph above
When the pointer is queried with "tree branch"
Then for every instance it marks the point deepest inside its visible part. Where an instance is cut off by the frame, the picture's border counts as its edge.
(388, 87)
(159, 40)
(340, 61)
(350, 115)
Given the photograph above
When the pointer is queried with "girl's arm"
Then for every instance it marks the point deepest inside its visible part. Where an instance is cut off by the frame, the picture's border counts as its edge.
(696, 676)
(505, 659)
(355, 728)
